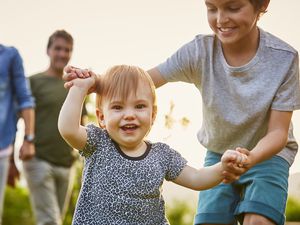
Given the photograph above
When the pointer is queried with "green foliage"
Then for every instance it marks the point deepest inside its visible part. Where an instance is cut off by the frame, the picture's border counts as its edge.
(17, 208)
(180, 212)
(292, 210)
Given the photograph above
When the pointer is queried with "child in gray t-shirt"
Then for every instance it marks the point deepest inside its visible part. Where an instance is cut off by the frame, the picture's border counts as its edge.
(123, 173)
(249, 84)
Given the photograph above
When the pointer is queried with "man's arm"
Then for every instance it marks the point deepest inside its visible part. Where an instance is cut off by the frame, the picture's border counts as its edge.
(27, 150)
(74, 72)
(25, 104)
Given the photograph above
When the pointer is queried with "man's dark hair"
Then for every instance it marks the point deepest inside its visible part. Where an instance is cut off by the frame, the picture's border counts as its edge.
(60, 34)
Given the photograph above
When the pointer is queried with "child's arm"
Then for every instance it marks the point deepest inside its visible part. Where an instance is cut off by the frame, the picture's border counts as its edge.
(156, 77)
(208, 177)
(273, 142)
(70, 114)
(74, 72)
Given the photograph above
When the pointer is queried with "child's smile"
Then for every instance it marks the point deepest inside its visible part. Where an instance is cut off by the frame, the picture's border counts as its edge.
(129, 128)
(129, 121)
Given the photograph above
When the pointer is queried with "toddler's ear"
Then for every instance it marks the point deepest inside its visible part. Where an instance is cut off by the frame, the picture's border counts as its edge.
(102, 124)
(154, 113)
(100, 117)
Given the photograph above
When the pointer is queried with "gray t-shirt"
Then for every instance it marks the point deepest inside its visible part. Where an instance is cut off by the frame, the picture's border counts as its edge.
(237, 100)
(119, 189)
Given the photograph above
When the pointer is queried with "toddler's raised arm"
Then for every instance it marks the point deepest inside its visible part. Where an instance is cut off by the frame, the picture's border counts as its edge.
(70, 114)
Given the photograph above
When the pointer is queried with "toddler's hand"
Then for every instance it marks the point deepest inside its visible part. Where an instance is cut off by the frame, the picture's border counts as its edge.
(72, 73)
(84, 84)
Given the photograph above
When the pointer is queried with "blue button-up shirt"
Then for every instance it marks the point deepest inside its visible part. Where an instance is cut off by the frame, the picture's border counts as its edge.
(15, 94)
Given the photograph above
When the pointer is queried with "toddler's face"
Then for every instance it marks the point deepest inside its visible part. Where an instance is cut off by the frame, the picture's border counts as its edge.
(128, 121)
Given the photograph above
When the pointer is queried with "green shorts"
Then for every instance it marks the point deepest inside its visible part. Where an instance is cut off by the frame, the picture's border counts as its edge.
(262, 190)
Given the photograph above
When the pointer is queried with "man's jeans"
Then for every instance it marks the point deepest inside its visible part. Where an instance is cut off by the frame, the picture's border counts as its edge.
(50, 190)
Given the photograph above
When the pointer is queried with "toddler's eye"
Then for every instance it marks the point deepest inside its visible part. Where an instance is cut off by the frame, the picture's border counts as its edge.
(140, 106)
(116, 107)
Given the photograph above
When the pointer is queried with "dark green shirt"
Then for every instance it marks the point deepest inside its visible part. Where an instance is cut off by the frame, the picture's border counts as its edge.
(49, 94)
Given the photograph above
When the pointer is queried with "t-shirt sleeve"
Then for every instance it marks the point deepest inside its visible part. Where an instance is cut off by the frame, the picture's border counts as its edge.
(183, 65)
(287, 97)
(175, 164)
(94, 135)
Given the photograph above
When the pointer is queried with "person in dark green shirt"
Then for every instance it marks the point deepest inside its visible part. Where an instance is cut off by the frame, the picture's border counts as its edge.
(50, 173)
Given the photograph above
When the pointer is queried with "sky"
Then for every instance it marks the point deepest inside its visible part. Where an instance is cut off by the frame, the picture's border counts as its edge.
(138, 32)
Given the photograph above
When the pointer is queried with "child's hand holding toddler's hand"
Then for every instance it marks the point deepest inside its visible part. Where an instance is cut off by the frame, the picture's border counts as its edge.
(234, 164)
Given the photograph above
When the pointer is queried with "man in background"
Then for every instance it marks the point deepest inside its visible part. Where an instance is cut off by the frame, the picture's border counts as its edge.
(50, 174)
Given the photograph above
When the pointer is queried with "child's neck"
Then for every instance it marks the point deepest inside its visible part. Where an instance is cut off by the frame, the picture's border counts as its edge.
(241, 53)
(134, 151)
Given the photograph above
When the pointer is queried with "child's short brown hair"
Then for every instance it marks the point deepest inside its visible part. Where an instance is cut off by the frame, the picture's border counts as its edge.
(258, 4)
(120, 81)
